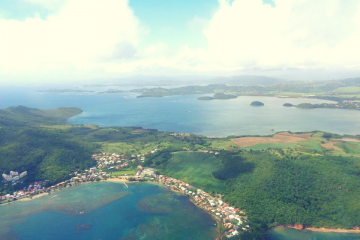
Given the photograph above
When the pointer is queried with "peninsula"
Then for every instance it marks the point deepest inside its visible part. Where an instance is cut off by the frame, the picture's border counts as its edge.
(288, 105)
(220, 96)
(112, 91)
(248, 172)
(336, 90)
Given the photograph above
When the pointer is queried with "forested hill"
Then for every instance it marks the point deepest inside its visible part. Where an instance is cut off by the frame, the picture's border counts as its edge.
(21, 116)
(284, 189)
(27, 144)
(46, 154)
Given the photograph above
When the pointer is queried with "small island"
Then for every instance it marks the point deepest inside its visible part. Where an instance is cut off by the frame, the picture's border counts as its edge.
(112, 91)
(221, 96)
(288, 105)
(352, 105)
(257, 104)
(206, 98)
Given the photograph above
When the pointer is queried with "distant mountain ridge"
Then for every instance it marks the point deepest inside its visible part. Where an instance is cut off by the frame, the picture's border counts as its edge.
(247, 80)
(346, 89)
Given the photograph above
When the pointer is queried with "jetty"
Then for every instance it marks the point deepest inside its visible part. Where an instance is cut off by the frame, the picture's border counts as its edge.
(126, 185)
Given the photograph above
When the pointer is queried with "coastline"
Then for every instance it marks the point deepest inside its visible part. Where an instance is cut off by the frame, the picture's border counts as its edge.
(300, 227)
(124, 180)
(334, 230)
(116, 180)
(40, 195)
(33, 197)
(217, 220)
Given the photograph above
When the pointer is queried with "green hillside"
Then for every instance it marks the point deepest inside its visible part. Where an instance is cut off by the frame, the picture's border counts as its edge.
(315, 182)
(45, 154)
(276, 187)
(195, 168)
(23, 116)
(318, 191)
(27, 144)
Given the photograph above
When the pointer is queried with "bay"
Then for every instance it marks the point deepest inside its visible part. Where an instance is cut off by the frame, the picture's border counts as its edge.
(217, 118)
(176, 114)
(107, 211)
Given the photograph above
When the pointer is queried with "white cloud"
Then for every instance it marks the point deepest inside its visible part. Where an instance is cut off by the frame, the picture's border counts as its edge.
(49, 4)
(198, 24)
(296, 33)
(84, 37)
(79, 36)
(246, 35)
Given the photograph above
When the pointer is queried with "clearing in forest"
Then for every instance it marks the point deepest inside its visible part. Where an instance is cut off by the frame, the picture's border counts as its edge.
(329, 145)
(278, 138)
(196, 169)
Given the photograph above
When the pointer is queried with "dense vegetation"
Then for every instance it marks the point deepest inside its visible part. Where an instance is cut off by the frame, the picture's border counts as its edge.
(288, 105)
(223, 96)
(276, 184)
(318, 191)
(257, 104)
(39, 142)
(45, 154)
(23, 116)
(195, 168)
(220, 96)
(344, 105)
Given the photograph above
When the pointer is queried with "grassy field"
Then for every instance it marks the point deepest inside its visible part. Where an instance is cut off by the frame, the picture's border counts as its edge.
(123, 172)
(348, 90)
(264, 146)
(313, 146)
(195, 168)
(225, 144)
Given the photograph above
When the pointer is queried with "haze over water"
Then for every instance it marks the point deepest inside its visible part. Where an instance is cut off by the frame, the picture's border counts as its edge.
(187, 114)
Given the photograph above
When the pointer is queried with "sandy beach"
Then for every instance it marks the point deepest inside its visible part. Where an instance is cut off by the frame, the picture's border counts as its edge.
(118, 180)
(328, 230)
(33, 197)
(336, 230)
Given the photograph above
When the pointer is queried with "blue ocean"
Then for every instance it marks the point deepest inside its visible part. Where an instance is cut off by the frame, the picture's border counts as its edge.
(107, 211)
(187, 114)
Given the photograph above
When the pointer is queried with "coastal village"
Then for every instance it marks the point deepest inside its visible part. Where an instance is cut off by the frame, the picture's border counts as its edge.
(232, 220)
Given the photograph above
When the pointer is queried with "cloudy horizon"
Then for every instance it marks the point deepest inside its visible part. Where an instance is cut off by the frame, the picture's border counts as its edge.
(49, 40)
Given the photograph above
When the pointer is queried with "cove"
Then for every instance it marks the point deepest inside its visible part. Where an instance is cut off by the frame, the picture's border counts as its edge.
(108, 211)
(217, 118)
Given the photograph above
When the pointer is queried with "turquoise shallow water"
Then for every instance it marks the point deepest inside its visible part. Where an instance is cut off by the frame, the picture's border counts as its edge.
(107, 211)
(292, 234)
(186, 114)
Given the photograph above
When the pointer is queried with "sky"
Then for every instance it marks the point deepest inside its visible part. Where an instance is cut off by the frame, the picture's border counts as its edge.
(68, 40)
